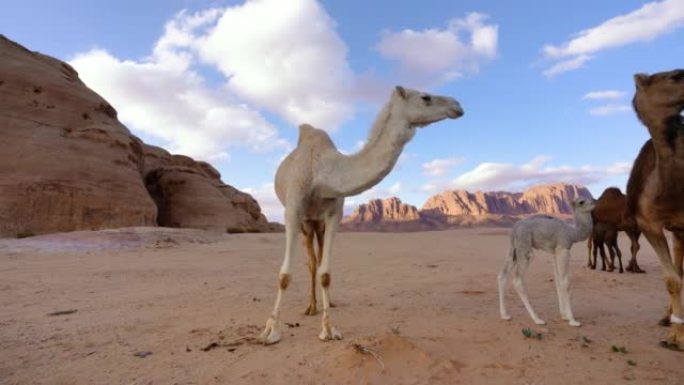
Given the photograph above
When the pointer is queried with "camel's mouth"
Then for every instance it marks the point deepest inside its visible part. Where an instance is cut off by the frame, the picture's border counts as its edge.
(455, 113)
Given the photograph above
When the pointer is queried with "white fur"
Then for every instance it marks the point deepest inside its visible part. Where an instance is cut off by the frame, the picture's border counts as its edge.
(676, 320)
(314, 178)
(555, 237)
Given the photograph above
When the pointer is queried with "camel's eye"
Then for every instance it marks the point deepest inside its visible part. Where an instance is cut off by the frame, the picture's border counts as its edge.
(427, 99)
(580, 203)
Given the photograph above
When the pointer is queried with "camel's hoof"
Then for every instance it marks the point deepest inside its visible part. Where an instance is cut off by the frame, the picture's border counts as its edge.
(270, 335)
(676, 339)
(667, 344)
(333, 305)
(506, 317)
(311, 310)
(665, 321)
(540, 322)
(330, 333)
(575, 323)
(621, 271)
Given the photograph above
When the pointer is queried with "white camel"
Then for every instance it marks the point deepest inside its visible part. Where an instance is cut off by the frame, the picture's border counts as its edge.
(554, 236)
(314, 178)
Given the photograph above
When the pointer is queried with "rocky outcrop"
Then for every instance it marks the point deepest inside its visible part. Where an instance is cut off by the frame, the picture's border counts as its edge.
(464, 209)
(547, 199)
(384, 210)
(67, 163)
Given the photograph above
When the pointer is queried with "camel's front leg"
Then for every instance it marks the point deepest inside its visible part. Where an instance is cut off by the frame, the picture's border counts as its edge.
(563, 267)
(673, 282)
(271, 334)
(329, 332)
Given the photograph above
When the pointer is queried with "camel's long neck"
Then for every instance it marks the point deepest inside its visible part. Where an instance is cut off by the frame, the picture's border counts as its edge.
(583, 226)
(667, 135)
(356, 173)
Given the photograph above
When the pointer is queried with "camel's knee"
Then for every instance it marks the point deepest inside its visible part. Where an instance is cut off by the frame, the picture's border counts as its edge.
(284, 281)
(673, 284)
(325, 280)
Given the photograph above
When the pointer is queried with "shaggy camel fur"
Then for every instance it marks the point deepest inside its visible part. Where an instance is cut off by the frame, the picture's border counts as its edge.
(610, 216)
(655, 190)
(554, 236)
(314, 178)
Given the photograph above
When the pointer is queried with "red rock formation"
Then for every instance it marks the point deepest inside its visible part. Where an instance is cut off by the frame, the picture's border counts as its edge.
(548, 199)
(383, 210)
(464, 209)
(67, 163)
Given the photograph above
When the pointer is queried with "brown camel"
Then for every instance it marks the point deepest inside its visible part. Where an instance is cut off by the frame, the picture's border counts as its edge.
(604, 234)
(610, 216)
(655, 190)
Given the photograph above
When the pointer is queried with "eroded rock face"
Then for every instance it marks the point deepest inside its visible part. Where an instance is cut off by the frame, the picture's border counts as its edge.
(464, 209)
(547, 199)
(67, 163)
(191, 194)
(378, 210)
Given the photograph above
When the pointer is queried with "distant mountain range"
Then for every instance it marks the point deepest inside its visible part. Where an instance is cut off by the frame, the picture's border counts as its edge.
(461, 208)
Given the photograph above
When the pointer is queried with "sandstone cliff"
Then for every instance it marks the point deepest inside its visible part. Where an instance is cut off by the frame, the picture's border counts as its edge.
(67, 163)
(464, 209)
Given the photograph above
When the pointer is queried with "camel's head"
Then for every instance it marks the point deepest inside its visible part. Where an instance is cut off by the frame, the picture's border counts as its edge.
(659, 97)
(421, 109)
(583, 205)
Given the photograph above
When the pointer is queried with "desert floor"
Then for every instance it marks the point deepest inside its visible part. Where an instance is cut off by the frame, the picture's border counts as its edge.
(414, 308)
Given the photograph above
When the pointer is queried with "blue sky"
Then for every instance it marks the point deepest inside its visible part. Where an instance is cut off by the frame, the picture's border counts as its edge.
(546, 86)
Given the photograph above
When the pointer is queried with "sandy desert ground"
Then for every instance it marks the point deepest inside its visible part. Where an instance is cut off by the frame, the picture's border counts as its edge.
(414, 308)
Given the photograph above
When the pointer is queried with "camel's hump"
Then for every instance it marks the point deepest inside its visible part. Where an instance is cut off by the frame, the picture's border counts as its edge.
(311, 134)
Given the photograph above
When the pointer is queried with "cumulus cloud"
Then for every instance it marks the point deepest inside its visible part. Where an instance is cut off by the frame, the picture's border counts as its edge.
(603, 95)
(507, 176)
(439, 167)
(610, 109)
(284, 56)
(644, 24)
(164, 97)
(443, 54)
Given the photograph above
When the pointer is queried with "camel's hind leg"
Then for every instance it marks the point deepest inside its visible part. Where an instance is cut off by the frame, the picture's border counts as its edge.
(590, 244)
(320, 237)
(524, 258)
(308, 232)
(332, 220)
(614, 250)
(502, 280)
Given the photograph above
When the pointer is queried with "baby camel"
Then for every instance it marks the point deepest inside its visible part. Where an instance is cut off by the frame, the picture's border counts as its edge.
(554, 236)
(313, 180)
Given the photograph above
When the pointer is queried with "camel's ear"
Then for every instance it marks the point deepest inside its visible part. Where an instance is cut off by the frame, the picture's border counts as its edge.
(401, 91)
(642, 80)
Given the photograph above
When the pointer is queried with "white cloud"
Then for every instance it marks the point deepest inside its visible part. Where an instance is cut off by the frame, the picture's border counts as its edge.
(443, 53)
(610, 109)
(511, 177)
(567, 65)
(439, 167)
(162, 96)
(602, 95)
(268, 201)
(284, 56)
(646, 23)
